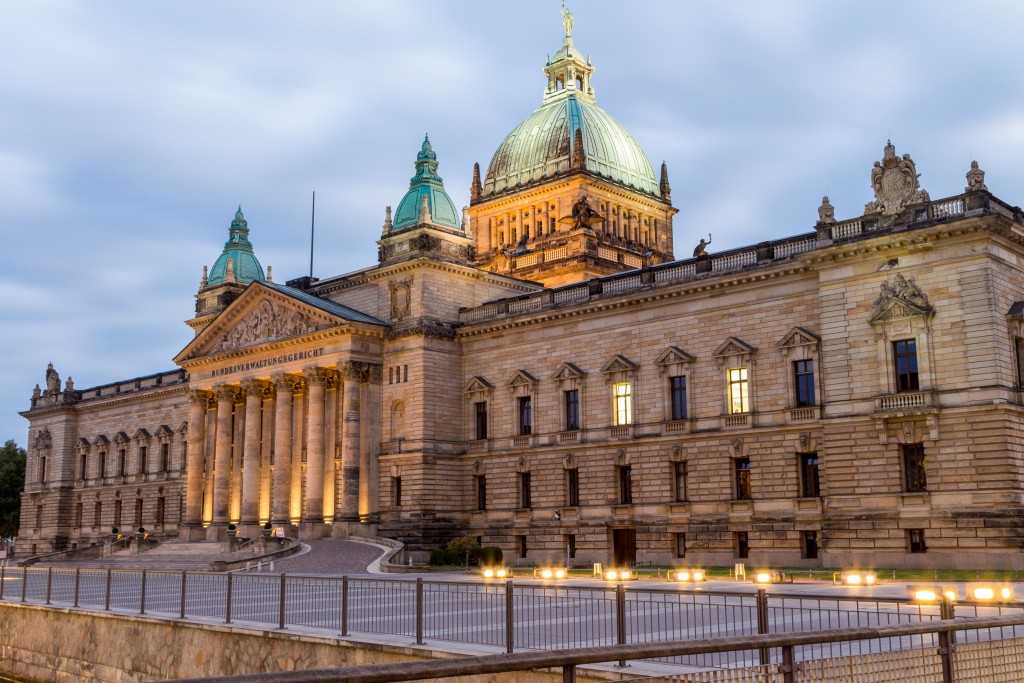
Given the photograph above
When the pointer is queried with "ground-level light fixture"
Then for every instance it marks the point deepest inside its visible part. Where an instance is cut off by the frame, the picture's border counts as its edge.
(687, 575)
(857, 577)
(551, 573)
(926, 594)
(764, 576)
(618, 574)
(495, 573)
(986, 592)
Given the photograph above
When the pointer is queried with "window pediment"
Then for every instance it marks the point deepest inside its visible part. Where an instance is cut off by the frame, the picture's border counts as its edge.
(568, 371)
(522, 378)
(101, 440)
(478, 385)
(734, 348)
(799, 336)
(42, 439)
(899, 299)
(84, 445)
(674, 355)
(619, 363)
(121, 438)
(141, 435)
(164, 433)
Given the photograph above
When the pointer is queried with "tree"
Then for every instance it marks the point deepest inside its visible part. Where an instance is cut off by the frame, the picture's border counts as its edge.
(12, 481)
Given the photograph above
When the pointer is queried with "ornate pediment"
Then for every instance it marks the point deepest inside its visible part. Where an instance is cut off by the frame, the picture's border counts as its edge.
(164, 433)
(895, 181)
(478, 384)
(101, 441)
(522, 379)
(268, 321)
(568, 371)
(734, 347)
(83, 445)
(898, 299)
(42, 439)
(141, 434)
(619, 363)
(121, 438)
(799, 336)
(674, 355)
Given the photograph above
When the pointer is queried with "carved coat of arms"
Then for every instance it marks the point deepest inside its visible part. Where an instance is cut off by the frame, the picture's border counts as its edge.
(900, 298)
(267, 322)
(401, 298)
(895, 182)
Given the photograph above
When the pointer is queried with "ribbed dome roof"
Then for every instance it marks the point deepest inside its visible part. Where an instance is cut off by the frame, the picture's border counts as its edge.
(426, 183)
(239, 250)
(541, 147)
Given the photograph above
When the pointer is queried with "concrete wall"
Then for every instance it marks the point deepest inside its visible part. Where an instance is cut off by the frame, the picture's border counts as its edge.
(44, 645)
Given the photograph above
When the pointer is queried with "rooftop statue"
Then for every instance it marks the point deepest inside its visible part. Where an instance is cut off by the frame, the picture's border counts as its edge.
(895, 181)
(701, 250)
(52, 381)
(582, 215)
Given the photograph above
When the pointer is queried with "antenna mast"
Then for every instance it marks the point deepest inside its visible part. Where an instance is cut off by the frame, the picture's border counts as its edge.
(312, 234)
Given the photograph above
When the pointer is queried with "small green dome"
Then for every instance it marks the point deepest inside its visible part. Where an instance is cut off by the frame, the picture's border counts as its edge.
(426, 183)
(239, 250)
(541, 147)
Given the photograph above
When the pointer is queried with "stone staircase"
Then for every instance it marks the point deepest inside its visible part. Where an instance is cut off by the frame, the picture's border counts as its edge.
(170, 555)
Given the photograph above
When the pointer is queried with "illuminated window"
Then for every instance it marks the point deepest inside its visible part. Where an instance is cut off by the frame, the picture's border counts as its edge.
(622, 395)
(739, 391)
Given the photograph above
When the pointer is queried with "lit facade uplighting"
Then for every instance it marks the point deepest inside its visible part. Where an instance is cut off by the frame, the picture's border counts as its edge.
(859, 578)
(763, 577)
(984, 593)
(560, 573)
(547, 573)
(1006, 593)
(611, 575)
(501, 572)
(682, 575)
(925, 595)
(488, 573)
(687, 575)
(950, 594)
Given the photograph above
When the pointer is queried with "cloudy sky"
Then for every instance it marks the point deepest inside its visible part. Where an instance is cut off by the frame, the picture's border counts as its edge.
(129, 132)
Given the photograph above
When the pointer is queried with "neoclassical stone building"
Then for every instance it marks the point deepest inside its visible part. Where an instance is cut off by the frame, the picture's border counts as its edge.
(539, 371)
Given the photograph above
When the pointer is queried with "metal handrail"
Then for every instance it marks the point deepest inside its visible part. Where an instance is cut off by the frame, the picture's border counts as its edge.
(569, 659)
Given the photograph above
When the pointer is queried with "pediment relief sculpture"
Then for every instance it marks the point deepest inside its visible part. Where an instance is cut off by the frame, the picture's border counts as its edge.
(895, 182)
(900, 298)
(267, 322)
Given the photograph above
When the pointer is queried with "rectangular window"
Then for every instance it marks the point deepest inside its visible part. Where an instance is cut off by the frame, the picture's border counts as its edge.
(625, 484)
(570, 546)
(742, 469)
(143, 457)
(121, 458)
(138, 513)
(905, 358)
(78, 514)
(572, 487)
(572, 410)
(915, 541)
(39, 517)
(622, 409)
(679, 479)
(391, 375)
(481, 492)
(405, 374)
(117, 513)
(810, 483)
(742, 545)
(161, 508)
(97, 514)
(42, 469)
(803, 382)
(82, 464)
(396, 491)
(809, 545)
(677, 387)
(525, 416)
(680, 543)
(165, 457)
(915, 479)
(480, 414)
(521, 545)
(739, 391)
(1018, 347)
(525, 501)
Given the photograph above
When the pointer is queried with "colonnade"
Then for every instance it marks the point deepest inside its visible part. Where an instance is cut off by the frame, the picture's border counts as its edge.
(299, 450)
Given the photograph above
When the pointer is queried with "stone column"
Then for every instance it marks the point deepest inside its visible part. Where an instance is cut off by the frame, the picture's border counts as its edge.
(282, 467)
(369, 446)
(331, 429)
(195, 464)
(222, 461)
(254, 391)
(348, 510)
(313, 509)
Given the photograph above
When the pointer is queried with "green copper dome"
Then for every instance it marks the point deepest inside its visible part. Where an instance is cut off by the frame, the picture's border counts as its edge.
(545, 145)
(426, 183)
(238, 249)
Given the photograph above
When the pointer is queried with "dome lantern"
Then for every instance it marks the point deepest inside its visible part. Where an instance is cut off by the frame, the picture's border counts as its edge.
(237, 262)
(426, 187)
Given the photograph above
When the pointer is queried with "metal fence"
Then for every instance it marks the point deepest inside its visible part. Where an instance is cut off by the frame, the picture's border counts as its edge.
(506, 615)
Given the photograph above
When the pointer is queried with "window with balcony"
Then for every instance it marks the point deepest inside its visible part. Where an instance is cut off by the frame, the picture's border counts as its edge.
(481, 491)
(572, 487)
(525, 498)
(625, 484)
(915, 479)
(739, 390)
(622, 404)
(480, 419)
(525, 405)
(803, 383)
(810, 482)
(677, 391)
(572, 409)
(741, 467)
(679, 481)
(122, 458)
(904, 354)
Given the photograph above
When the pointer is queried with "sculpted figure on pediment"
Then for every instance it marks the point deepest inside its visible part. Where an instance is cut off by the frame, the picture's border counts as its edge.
(267, 322)
(899, 298)
(895, 182)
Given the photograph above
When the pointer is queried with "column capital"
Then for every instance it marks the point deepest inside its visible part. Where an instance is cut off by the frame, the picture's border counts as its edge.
(352, 371)
(256, 387)
(226, 392)
(374, 373)
(201, 396)
(325, 376)
(285, 382)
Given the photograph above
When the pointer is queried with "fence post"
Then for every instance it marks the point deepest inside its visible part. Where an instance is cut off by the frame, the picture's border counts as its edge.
(510, 641)
(78, 576)
(762, 622)
(569, 673)
(227, 602)
(24, 582)
(106, 600)
(3, 579)
(142, 594)
(620, 617)
(184, 593)
(788, 669)
(419, 611)
(946, 653)
(344, 606)
(280, 615)
(49, 583)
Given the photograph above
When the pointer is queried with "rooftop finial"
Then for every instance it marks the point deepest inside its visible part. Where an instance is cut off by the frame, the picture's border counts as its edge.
(476, 188)
(424, 217)
(270, 273)
(567, 21)
(975, 178)
(387, 220)
(205, 279)
(663, 186)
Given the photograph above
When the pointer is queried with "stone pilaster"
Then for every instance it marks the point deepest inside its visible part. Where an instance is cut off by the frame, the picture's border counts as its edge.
(254, 393)
(348, 498)
(313, 509)
(284, 386)
(222, 460)
(195, 464)
(369, 445)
